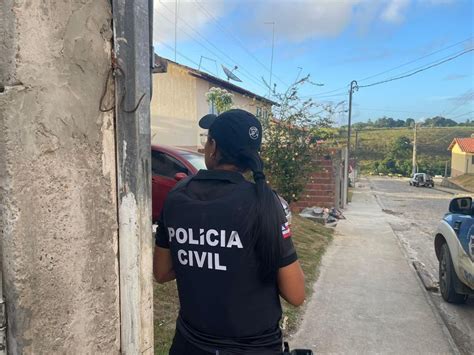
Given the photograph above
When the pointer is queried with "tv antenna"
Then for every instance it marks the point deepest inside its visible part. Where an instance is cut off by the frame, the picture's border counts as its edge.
(230, 75)
(212, 60)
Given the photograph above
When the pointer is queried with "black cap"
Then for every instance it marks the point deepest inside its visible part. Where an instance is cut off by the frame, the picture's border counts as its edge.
(236, 131)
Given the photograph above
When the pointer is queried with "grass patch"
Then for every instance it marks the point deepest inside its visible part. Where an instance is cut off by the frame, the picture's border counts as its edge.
(165, 308)
(311, 240)
(432, 143)
(349, 194)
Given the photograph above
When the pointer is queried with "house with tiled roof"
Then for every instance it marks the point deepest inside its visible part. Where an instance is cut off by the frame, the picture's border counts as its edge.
(179, 101)
(462, 156)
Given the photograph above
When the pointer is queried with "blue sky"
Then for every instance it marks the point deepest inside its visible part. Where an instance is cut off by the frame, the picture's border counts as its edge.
(335, 41)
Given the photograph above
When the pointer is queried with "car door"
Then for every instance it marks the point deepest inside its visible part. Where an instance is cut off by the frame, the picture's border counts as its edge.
(466, 255)
(164, 167)
(461, 225)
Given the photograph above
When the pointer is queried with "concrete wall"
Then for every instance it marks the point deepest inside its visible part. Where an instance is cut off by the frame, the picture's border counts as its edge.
(179, 101)
(173, 108)
(58, 213)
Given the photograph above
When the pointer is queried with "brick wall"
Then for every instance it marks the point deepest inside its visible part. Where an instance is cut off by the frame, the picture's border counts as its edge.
(321, 188)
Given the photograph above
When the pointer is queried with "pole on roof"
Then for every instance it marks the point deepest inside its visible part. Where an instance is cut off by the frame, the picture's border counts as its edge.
(271, 60)
(175, 29)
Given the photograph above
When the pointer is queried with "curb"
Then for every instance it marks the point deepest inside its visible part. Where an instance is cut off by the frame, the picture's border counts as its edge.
(445, 191)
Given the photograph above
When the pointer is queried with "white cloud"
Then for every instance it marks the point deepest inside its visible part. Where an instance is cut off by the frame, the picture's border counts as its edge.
(295, 20)
(394, 11)
(192, 17)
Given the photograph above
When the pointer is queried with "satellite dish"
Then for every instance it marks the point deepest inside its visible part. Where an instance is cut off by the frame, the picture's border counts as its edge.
(231, 75)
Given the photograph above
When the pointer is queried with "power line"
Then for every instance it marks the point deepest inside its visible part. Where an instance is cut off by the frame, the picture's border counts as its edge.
(463, 114)
(389, 110)
(345, 88)
(417, 71)
(416, 60)
(236, 39)
(464, 102)
(185, 57)
(397, 67)
(248, 76)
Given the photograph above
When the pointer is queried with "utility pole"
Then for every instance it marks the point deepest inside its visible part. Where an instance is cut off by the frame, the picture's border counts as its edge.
(414, 169)
(175, 28)
(132, 142)
(355, 154)
(446, 169)
(351, 91)
(271, 61)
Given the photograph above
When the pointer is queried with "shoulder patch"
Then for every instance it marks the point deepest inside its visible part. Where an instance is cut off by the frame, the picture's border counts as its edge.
(285, 230)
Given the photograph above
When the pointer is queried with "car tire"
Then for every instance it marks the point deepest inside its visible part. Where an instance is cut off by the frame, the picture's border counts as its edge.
(448, 277)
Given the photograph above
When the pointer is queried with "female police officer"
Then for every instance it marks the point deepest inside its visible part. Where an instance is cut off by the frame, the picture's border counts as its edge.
(228, 244)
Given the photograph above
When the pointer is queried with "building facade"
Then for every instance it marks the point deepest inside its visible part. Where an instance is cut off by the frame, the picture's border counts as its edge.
(179, 101)
(462, 156)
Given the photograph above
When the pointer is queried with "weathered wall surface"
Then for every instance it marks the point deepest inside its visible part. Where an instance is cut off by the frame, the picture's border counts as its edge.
(321, 189)
(179, 101)
(58, 213)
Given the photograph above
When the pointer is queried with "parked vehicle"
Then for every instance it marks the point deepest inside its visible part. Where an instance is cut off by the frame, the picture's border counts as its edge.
(170, 165)
(421, 179)
(454, 246)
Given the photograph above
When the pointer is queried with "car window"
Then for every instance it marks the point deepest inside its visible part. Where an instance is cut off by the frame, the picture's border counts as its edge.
(197, 160)
(165, 165)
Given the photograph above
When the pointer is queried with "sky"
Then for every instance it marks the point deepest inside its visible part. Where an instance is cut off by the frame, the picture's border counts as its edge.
(335, 42)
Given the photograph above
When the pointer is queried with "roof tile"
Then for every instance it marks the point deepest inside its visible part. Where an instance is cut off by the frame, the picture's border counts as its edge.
(466, 144)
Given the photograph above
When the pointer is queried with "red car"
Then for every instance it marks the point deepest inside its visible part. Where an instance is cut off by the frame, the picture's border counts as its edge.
(168, 166)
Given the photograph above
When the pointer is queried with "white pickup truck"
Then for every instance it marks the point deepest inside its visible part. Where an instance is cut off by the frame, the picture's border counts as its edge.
(454, 246)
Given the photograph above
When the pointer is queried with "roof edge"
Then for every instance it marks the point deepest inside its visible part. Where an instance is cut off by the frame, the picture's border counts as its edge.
(208, 77)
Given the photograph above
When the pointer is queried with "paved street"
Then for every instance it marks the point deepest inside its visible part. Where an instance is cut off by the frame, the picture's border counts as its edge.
(413, 214)
(368, 298)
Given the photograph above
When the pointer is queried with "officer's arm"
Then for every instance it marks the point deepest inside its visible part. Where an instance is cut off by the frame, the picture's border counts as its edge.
(163, 265)
(291, 283)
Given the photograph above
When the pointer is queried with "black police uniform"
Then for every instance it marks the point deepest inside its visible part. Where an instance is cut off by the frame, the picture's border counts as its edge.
(225, 307)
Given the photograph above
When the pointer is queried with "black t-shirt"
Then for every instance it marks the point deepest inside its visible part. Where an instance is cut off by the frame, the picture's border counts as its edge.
(224, 303)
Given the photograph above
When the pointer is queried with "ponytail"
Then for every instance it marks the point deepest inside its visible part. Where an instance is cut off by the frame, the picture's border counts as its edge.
(266, 226)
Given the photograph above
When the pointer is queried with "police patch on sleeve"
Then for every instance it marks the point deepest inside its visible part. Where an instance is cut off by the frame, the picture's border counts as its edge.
(285, 230)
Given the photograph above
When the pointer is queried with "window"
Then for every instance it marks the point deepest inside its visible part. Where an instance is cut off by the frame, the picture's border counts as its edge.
(472, 160)
(212, 108)
(197, 160)
(165, 165)
(262, 113)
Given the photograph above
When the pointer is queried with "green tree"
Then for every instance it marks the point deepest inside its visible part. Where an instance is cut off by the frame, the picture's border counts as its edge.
(440, 121)
(220, 98)
(401, 147)
(291, 138)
